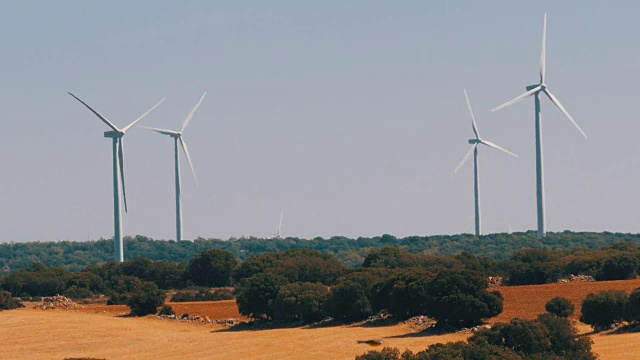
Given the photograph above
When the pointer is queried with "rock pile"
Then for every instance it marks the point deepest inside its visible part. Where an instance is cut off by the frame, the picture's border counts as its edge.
(57, 302)
(199, 319)
(494, 281)
(419, 320)
(577, 278)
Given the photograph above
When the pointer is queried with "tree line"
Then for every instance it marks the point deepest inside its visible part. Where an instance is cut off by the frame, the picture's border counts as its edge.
(75, 256)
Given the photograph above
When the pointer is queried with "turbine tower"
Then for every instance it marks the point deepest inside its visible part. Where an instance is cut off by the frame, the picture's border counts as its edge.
(278, 235)
(177, 138)
(118, 174)
(474, 149)
(535, 90)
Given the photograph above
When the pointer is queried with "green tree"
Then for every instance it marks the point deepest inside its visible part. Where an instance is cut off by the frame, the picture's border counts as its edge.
(560, 306)
(256, 296)
(603, 309)
(212, 268)
(300, 301)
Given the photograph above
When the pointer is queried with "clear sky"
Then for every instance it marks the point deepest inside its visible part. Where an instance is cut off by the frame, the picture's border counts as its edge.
(347, 115)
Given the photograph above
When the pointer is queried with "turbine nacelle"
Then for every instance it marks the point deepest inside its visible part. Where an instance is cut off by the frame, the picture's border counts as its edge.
(475, 141)
(113, 134)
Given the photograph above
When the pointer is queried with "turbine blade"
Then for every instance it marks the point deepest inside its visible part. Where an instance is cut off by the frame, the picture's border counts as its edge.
(495, 146)
(193, 111)
(186, 152)
(463, 160)
(473, 118)
(141, 116)
(518, 98)
(121, 161)
(280, 224)
(113, 127)
(161, 131)
(543, 56)
(564, 111)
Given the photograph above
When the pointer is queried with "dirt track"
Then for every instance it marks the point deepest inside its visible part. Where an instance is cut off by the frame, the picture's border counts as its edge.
(102, 332)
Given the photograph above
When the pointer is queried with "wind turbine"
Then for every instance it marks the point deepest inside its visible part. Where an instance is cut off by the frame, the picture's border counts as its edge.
(474, 149)
(177, 138)
(535, 90)
(118, 173)
(278, 235)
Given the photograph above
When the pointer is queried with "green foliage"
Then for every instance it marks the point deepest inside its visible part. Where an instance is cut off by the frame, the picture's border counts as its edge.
(145, 299)
(621, 266)
(38, 280)
(166, 310)
(8, 302)
(548, 337)
(603, 309)
(256, 296)
(212, 268)
(633, 306)
(386, 353)
(75, 256)
(349, 301)
(460, 298)
(300, 301)
(560, 306)
(295, 265)
(76, 293)
(407, 293)
(203, 295)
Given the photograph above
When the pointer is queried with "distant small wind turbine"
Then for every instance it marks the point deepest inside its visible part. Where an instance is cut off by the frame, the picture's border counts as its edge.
(535, 90)
(177, 137)
(474, 149)
(279, 234)
(118, 172)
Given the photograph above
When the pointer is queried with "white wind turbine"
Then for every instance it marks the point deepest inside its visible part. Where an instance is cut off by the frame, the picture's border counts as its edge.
(177, 138)
(118, 174)
(474, 149)
(278, 235)
(535, 90)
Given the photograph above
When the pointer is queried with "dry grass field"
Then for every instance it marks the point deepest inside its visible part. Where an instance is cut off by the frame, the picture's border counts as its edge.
(104, 332)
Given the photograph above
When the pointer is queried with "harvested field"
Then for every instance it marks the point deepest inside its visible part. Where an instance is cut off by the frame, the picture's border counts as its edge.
(94, 330)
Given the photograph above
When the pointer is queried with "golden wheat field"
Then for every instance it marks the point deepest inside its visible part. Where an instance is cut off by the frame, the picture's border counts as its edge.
(104, 332)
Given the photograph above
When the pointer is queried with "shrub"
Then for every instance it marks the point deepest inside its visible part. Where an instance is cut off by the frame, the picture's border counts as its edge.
(633, 306)
(348, 301)
(145, 299)
(460, 298)
(257, 295)
(7, 302)
(77, 293)
(386, 353)
(548, 337)
(301, 301)
(603, 309)
(619, 267)
(407, 293)
(560, 306)
(212, 268)
(166, 310)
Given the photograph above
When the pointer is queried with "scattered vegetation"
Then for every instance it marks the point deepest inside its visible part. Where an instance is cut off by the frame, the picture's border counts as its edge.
(547, 337)
(8, 302)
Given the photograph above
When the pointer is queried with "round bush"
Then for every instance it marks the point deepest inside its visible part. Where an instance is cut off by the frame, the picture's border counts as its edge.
(301, 301)
(560, 306)
(603, 309)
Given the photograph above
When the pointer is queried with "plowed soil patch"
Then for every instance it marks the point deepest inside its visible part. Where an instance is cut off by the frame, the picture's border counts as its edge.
(528, 301)
(215, 310)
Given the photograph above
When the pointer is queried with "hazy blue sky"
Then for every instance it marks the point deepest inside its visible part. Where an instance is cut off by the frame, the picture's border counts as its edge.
(349, 115)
